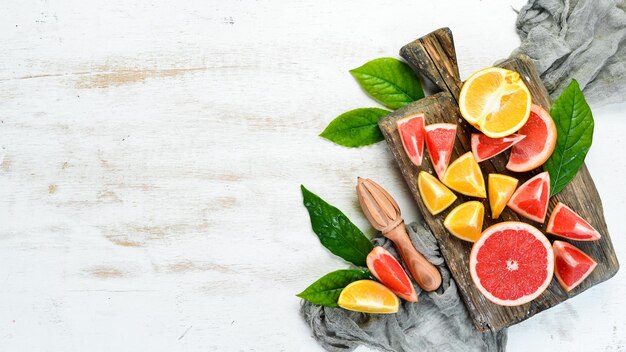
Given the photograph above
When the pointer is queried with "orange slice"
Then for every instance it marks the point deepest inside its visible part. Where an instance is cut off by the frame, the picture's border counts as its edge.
(464, 176)
(501, 188)
(466, 221)
(435, 195)
(368, 296)
(496, 101)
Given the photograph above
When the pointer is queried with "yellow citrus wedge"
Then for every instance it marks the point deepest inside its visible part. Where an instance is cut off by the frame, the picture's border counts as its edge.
(501, 188)
(465, 177)
(368, 296)
(435, 195)
(466, 221)
(496, 101)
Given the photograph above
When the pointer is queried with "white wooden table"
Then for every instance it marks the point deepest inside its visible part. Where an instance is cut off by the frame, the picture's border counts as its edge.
(151, 157)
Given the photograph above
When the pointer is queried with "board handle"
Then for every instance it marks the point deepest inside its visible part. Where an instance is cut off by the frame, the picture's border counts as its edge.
(433, 56)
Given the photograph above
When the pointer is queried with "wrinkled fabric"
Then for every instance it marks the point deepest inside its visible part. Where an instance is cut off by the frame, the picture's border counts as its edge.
(437, 322)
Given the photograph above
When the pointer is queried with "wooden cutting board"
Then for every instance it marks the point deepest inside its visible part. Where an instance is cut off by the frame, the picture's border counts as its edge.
(433, 56)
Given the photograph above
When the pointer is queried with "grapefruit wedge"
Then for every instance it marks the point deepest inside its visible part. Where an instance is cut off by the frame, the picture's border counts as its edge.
(512, 263)
(531, 199)
(571, 264)
(439, 142)
(411, 131)
(368, 296)
(538, 145)
(484, 147)
(387, 270)
(566, 223)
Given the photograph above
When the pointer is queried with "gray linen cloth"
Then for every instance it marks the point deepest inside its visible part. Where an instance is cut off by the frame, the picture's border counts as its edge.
(581, 39)
(437, 322)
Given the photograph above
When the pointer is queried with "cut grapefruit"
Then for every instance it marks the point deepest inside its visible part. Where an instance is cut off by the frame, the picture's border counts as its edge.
(512, 263)
(484, 147)
(387, 270)
(501, 188)
(566, 223)
(531, 199)
(368, 296)
(435, 195)
(571, 264)
(411, 131)
(466, 221)
(496, 101)
(439, 142)
(538, 145)
(465, 177)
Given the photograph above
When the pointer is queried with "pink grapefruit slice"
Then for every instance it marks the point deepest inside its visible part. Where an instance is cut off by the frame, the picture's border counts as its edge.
(572, 265)
(387, 270)
(564, 222)
(531, 199)
(538, 145)
(411, 131)
(484, 147)
(439, 142)
(512, 263)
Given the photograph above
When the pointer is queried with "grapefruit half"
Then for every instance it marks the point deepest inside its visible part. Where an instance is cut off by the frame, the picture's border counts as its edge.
(531, 199)
(538, 145)
(512, 263)
(572, 265)
(566, 223)
(411, 131)
(484, 147)
(439, 142)
(387, 270)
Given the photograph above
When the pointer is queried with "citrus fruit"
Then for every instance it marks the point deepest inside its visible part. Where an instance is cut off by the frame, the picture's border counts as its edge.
(496, 101)
(411, 131)
(368, 296)
(511, 263)
(466, 221)
(531, 199)
(566, 223)
(501, 188)
(485, 147)
(387, 270)
(435, 195)
(439, 142)
(465, 177)
(571, 264)
(538, 145)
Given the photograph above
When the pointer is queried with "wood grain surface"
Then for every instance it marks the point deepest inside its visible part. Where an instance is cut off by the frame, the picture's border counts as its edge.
(434, 55)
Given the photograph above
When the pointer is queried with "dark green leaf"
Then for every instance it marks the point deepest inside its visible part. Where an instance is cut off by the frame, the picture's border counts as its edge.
(356, 128)
(391, 82)
(326, 290)
(574, 125)
(335, 231)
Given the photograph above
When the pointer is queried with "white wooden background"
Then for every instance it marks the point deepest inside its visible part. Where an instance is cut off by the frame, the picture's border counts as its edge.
(151, 157)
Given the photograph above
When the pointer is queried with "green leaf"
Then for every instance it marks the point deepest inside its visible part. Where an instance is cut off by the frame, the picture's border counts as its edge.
(327, 289)
(391, 82)
(574, 125)
(356, 128)
(335, 231)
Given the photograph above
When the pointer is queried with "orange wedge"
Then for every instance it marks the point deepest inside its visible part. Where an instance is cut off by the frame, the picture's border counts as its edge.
(496, 101)
(465, 177)
(466, 221)
(501, 188)
(435, 195)
(368, 296)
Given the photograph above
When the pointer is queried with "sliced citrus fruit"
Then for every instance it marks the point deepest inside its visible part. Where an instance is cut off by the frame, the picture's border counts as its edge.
(501, 188)
(496, 101)
(439, 142)
(466, 221)
(387, 270)
(531, 199)
(512, 263)
(538, 145)
(572, 265)
(485, 147)
(368, 296)
(411, 131)
(435, 195)
(566, 223)
(465, 177)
